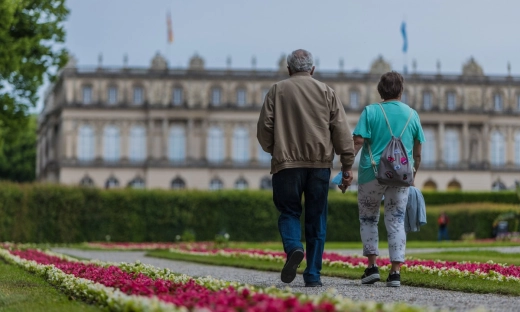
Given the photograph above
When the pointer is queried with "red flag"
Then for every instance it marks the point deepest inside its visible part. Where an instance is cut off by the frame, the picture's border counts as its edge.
(170, 29)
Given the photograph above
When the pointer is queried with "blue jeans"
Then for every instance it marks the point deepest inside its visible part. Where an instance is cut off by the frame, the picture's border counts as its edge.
(288, 187)
(443, 234)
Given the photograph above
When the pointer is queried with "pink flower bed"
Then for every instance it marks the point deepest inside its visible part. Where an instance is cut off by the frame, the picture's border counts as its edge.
(189, 294)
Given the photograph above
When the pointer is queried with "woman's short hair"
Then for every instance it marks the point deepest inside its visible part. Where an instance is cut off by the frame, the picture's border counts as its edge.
(390, 85)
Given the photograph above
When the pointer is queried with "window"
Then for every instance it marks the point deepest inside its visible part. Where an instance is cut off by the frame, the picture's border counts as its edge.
(111, 143)
(241, 184)
(137, 148)
(263, 157)
(216, 184)
(137, 183)
(429, 186)
(216, 94)
(264, 94)
(177, 144)
(241, 97)
(451, 101)
(240, 145)
(497, 102)
(517, 149)
(354, 99)
(177, 96)
(87, 95)
(112, 95)
(86, 144)
(216, 145)
(427, 100)
(86, 181)
(178, 184)
(404, 97)
(451, 147)
(518, 103)
(429, 148)
(498, 186)
(454, 186)
(266, 183)
(498, 149)
(138, 96)
(111, 182)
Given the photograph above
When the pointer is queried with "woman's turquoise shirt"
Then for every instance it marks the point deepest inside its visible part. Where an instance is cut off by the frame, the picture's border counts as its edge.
(373, 128)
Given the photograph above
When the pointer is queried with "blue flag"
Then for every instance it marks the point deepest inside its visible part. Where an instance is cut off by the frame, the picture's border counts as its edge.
(405, 39)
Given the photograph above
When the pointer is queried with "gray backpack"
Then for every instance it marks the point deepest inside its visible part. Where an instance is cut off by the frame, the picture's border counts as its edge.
(394, 166)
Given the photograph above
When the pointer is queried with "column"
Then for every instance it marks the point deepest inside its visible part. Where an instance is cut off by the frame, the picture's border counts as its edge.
(204, 140)
(228, 139)
(190, 140)
(440, 144)
(164, 141)
(485, 145)
(125, 137)
(465, 142)
(149, 139)
(98, 132)
(510, 147)
(253, 144)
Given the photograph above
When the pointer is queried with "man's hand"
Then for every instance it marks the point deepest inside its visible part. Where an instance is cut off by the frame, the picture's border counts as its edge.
(346, 180)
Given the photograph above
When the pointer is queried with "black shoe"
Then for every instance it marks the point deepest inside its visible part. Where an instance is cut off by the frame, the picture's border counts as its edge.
(393, 280)
(314, 284)
(291, 265)
(371, 275)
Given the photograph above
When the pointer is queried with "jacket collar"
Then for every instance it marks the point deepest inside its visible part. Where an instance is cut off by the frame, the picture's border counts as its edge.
(301, 74)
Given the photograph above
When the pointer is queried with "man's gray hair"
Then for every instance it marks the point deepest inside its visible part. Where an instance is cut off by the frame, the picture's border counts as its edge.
(300, 61)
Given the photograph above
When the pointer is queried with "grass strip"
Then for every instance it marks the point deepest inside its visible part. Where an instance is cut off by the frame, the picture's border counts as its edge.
(407, 278)
(21, 291)
(478, 255)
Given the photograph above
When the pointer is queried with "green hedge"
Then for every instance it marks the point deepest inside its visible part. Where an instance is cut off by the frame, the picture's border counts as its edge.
(60, 214)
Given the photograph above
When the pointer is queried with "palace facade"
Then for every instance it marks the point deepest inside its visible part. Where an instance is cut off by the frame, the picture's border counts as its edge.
(195, 127)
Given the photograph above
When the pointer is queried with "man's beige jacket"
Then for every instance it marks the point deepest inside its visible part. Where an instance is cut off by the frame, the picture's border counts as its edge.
(302, 124)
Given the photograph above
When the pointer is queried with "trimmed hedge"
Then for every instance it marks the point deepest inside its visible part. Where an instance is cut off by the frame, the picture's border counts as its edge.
(44, 213)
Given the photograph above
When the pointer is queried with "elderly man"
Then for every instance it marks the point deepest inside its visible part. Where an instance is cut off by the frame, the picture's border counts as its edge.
(302, 123)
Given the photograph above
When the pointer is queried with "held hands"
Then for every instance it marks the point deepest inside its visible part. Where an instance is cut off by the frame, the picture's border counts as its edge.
(346, 181)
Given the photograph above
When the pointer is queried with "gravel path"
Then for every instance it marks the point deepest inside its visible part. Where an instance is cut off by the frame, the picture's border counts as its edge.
(452, 300)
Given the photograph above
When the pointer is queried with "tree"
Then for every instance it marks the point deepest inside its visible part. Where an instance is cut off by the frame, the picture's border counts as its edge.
(31, 32)
(18, 158)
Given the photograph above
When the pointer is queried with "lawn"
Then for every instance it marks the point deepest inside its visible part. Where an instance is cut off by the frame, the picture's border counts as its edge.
(22, 291)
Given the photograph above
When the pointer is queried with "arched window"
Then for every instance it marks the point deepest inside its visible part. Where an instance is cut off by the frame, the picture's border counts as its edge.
(404, 97)
(86, 181)
(451, 101)
(354, 99)
(429, 186)
(241, 97)
(86, 94)
(178, 184)
(451, 147)
(138, 95)
(137, 183)
(240, 145)
(263, 157)
(177, 96)
(454, 186)
(111, 143)
(216, 96)
(427, 100)
(429, 150)
(177, 144)
(517, 149)
(241, 184)
(112, 95)
(111, 182)
(498, 149)
(86, 144)
(137, 146)
(266, 183)
(216, 184)
(498, 104)
(216, 145)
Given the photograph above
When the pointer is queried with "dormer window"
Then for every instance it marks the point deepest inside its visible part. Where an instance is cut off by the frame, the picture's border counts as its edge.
(87, 95)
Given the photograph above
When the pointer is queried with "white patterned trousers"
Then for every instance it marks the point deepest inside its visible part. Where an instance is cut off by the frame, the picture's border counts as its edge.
(369, 201)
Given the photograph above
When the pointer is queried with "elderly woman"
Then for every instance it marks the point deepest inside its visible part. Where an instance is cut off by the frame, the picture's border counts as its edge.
(373, 131)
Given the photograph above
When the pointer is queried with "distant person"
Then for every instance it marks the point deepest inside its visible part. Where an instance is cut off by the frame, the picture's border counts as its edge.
(302, 123)
(443, 221)
(373, 133)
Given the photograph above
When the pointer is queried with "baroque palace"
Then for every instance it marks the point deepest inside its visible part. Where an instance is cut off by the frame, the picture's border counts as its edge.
(195, 128)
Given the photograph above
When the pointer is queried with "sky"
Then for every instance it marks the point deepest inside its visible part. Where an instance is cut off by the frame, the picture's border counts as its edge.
(357, 31)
